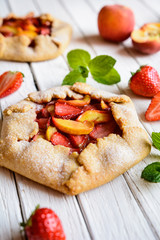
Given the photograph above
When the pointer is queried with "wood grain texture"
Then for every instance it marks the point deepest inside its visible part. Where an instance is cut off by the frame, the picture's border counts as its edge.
(48, 74)
(10, 212)
(126, 208)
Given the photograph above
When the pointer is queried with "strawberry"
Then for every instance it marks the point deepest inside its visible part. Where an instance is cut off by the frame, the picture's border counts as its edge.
(103, 130)
(42, 122)
(44, 224)
(79, 141)
(45, 113)
(92, 107)
(10, 82)
(153, 111)
(66, 110)
(145, 82)
(59, 139)
(44, 30)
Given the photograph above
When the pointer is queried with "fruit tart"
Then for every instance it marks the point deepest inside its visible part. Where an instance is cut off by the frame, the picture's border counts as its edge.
(72, 138)
(32, 38)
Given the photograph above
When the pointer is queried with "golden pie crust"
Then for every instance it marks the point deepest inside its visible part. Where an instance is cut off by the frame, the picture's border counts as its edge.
(53, 166)
(17, 48)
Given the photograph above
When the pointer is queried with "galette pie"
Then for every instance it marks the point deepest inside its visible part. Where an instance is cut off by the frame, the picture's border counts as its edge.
(32, 38)
(72, 138)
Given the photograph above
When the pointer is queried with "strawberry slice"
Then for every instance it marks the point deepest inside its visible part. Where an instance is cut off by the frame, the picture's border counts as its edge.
(59, 139)
(66, 110)
(103, 130)
(153, 111)
(44, 30)
(92, 107)
(79, 141)
(45, 113)
(10, 82)
(42, 122)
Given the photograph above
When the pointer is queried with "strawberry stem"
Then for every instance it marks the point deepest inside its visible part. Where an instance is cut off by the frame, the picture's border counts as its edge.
(29, 221)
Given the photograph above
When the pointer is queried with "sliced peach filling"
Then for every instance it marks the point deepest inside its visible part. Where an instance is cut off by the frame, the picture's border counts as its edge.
(75, 123)
(31, 27)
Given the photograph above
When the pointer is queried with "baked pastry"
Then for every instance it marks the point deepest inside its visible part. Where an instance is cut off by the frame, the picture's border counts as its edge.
(32, 38)
(72, 138)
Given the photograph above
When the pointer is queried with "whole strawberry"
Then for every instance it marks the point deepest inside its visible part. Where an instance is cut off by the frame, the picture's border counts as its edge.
(44, 224)
(145, 81)
(10, 82)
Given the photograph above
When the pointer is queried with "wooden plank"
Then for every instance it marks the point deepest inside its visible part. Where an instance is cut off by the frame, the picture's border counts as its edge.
(153, 6)
(10, 212)
(32, 193)
(97, 216)
(144, 192)
(152, 60)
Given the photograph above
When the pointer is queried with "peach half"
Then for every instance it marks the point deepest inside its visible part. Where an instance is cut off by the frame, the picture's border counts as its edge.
(147, 38)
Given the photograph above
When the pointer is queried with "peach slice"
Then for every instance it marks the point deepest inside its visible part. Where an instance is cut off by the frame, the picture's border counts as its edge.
(50, 108)
(49, 132)
(30, 27)
(73, 127)
(30, 34)
(147, 38)
(95, 116)
(10, 29)
(104, 105)
(79, 103)
(37, 136)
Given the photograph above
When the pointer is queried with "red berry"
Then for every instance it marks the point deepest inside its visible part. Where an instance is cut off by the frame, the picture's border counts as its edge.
(10, 82)
(59, 139)
(44, 224)
(103, 130)
(65, 110)
(145, 82)
(153, 111)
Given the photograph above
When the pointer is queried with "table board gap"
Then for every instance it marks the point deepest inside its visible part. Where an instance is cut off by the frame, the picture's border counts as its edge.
(141, 206)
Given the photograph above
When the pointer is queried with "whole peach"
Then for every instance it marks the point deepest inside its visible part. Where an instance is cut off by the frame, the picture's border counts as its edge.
(115, 22)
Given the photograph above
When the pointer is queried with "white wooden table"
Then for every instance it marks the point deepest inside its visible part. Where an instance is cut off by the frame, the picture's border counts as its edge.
(127, 208)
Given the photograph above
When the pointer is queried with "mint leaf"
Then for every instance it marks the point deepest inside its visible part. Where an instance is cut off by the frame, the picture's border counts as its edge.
(72, 77)
(151, 173)
(84, 71)
(101, 65)
(110, 78)
(156, 139)
(78, 57)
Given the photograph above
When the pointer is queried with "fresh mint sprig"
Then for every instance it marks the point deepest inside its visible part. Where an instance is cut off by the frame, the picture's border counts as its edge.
(151, 173)
(100, 67)
(156, 139)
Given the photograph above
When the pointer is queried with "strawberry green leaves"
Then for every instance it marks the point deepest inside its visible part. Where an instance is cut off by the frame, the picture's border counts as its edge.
(100, 67)
(151, 173)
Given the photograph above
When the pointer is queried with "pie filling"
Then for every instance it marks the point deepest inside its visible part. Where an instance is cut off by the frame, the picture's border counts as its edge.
(30, 26)
(75, 123)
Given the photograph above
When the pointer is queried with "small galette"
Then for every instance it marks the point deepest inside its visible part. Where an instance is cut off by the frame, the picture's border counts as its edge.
(72, 138)
(32, 38)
